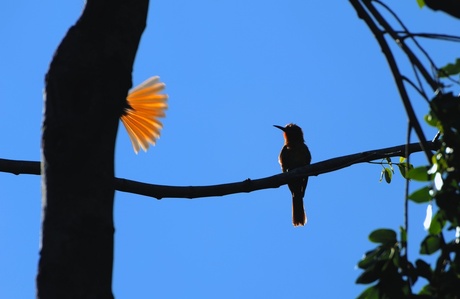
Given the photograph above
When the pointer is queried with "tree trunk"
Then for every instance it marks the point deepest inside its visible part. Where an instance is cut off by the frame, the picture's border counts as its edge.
(86, 89)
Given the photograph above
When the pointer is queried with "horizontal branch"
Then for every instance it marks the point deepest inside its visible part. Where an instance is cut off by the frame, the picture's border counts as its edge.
(248, 185)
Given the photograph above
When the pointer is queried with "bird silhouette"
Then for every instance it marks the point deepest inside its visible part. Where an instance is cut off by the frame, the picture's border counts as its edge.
(295, 153)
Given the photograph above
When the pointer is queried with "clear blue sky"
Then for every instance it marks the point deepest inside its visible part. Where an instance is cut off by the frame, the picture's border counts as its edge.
(232, 69)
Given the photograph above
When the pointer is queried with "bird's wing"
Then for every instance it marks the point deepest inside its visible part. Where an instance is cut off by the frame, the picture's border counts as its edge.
(283, 159)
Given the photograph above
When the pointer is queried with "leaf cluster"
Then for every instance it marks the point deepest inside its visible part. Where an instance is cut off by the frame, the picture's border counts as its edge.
(388, 171)
(387, 265)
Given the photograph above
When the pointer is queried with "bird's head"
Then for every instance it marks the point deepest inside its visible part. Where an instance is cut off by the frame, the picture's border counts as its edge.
(292, 133)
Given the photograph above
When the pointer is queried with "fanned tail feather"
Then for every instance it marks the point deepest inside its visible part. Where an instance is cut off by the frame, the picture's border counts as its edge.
(146, 105)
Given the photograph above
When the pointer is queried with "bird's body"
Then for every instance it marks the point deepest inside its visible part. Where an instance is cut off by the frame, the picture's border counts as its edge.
(295, 154)
(145, 104)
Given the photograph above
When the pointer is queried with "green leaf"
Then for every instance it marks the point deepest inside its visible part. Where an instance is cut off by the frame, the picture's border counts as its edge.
(430, 245)
(402, 168)
(383, 236)
(370, 258)
(450, 69)
(428, 290)
(370, 293)
(421, 3)
(403, 233)
(431, 119)
(437, 223)
(421, 195)
(419, 174)
(388, 175)
(379, 254)
(395, 257)
(371, 274)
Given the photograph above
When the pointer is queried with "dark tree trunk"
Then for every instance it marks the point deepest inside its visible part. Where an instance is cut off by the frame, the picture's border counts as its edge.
(86, 88)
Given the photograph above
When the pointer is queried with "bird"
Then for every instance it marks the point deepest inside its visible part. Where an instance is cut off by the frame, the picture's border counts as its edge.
(294, 154)
(145, 105)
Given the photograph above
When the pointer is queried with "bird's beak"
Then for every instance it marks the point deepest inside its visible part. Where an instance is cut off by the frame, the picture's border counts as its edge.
(279, 127)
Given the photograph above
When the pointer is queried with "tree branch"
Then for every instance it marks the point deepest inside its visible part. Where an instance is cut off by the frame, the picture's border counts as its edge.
(451, 7)
(401, 42)
(248, 185)
(394, 67)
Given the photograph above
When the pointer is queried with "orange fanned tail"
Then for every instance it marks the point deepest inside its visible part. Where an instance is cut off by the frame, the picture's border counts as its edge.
(141, 120)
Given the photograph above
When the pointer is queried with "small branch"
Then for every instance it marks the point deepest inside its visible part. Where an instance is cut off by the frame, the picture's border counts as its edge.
(248, 185)
(395, 70)
(18, 167)
(401, 43)
(445, 37)
(405, 244)
(419, 90)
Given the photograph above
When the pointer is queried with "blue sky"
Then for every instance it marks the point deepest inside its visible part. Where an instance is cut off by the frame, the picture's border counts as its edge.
(232, 69)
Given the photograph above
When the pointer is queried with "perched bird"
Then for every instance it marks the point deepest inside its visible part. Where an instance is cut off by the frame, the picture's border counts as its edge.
(295, 154)
(145, 105)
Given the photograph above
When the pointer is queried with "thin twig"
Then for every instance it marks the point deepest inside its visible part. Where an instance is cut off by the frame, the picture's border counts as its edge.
(420, 91)
(406, 30)
(412, 58)
(395, 70)
(446, 37)
(406, 204)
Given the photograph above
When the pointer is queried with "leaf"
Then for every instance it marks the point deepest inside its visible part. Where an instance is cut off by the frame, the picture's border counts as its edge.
(437, 223)
(383, 236)
(450, 69)
(421, 195)
(370, 258)
(370, 293)
(430, 244)
(421, 3)
(388, 175)
(431, 119)
(371, 274)
(379, 254)
(428, 290)
(403, 233)
(419, 174)
(402, 168)
(395, 257)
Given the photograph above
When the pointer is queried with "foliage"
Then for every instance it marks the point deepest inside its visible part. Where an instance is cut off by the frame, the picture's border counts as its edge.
(421, 3)
(388, 171)
(450, 69)
(387, 264)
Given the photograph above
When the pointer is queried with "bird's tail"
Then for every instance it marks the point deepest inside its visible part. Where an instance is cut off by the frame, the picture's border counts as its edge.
(140, 119)
(299, 218)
